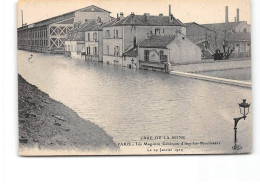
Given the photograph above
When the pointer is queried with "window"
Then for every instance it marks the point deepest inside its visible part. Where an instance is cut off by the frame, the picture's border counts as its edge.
(95, 51)
(116, 51)
(88, 36)
(157, 31)
(146, 55)
(107, 34)
(88, 50)
(107, 49)
(161, 53)
(95, 37)
(116, 33)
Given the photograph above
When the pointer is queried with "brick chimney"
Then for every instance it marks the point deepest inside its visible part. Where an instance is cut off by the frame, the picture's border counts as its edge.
(226, 15)
(121, 15)
(238, 15)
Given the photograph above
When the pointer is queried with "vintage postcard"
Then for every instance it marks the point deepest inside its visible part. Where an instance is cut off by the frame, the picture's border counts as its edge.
(131, 77)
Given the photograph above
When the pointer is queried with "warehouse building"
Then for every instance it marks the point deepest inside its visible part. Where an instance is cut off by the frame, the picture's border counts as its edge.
(49, 35)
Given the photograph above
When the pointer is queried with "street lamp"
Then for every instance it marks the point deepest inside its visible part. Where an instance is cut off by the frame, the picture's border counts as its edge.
(244, 110)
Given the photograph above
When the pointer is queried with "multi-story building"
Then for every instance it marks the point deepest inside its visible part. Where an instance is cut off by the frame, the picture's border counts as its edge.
(75, 41)
(123, 34)
(49, 35)
(94, 42)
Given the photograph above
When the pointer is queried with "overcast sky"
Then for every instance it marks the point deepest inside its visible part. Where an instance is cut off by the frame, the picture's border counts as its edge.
(200, 11)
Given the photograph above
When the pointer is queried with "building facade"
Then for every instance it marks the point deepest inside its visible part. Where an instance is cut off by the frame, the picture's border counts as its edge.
(49, 35)
(124, 34)
(94, 42)
(75, 40)
(162, 52)
(241, 42)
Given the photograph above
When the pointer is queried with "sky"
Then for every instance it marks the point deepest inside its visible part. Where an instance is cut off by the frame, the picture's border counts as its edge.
(200, 11)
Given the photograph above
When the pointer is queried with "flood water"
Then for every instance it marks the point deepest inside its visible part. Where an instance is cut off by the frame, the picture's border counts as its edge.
(129, 104)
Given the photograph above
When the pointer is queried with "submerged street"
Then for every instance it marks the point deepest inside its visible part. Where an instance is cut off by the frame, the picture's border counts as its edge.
(130, 104)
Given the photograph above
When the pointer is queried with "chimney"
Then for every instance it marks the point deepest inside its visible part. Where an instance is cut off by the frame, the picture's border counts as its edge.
(160, 14)
(226, 20)
(148, 35)
(145, 17)
(121, 15)
(235, 19)
(170, 11)
(132, 16)
(117, 16)
(238, 15)
(22, 17)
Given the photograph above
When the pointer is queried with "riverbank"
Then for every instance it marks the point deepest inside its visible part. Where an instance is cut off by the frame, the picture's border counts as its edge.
(48, 124)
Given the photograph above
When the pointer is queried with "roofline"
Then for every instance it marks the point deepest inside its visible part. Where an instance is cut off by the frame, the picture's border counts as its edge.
(71, 12)
(163, 47)
(198, 25)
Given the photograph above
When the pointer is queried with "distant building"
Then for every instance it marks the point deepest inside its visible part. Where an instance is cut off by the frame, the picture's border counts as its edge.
(161, 52)
(229, 27)
(241, 42)
(124, 34)
(94, 42)
(203, 37)
(75, 41)
(49, 35)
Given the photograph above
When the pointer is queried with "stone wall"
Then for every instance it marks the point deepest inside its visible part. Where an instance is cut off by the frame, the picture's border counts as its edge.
(211, 65)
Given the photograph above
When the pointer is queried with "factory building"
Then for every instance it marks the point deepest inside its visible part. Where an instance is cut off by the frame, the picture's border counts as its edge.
(49, 35)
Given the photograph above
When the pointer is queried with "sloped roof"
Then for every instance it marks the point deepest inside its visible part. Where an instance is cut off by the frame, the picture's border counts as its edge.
(96, 27)
(78, 33)
(67, 15)
(86, 25)
(157, 41)
(146, 20)
(191, 23)
(131, 53)
(239, 37)
(93, 8)
(222, 26)
(67, 21)
(110, 23)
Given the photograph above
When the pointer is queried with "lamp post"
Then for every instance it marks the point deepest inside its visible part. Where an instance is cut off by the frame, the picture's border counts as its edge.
(244, 110)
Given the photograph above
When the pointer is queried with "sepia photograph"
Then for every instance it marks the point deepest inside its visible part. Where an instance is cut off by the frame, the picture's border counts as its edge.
(159, 77)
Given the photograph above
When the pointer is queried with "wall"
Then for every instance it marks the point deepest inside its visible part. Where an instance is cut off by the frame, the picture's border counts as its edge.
(212, 66)
(243, 25)
(112, 42)
(140, 32)
(82, 16)
(196, 33)
(127, 62)
(242, 49)
(98, 43)
(141, 52)
(183, 50)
